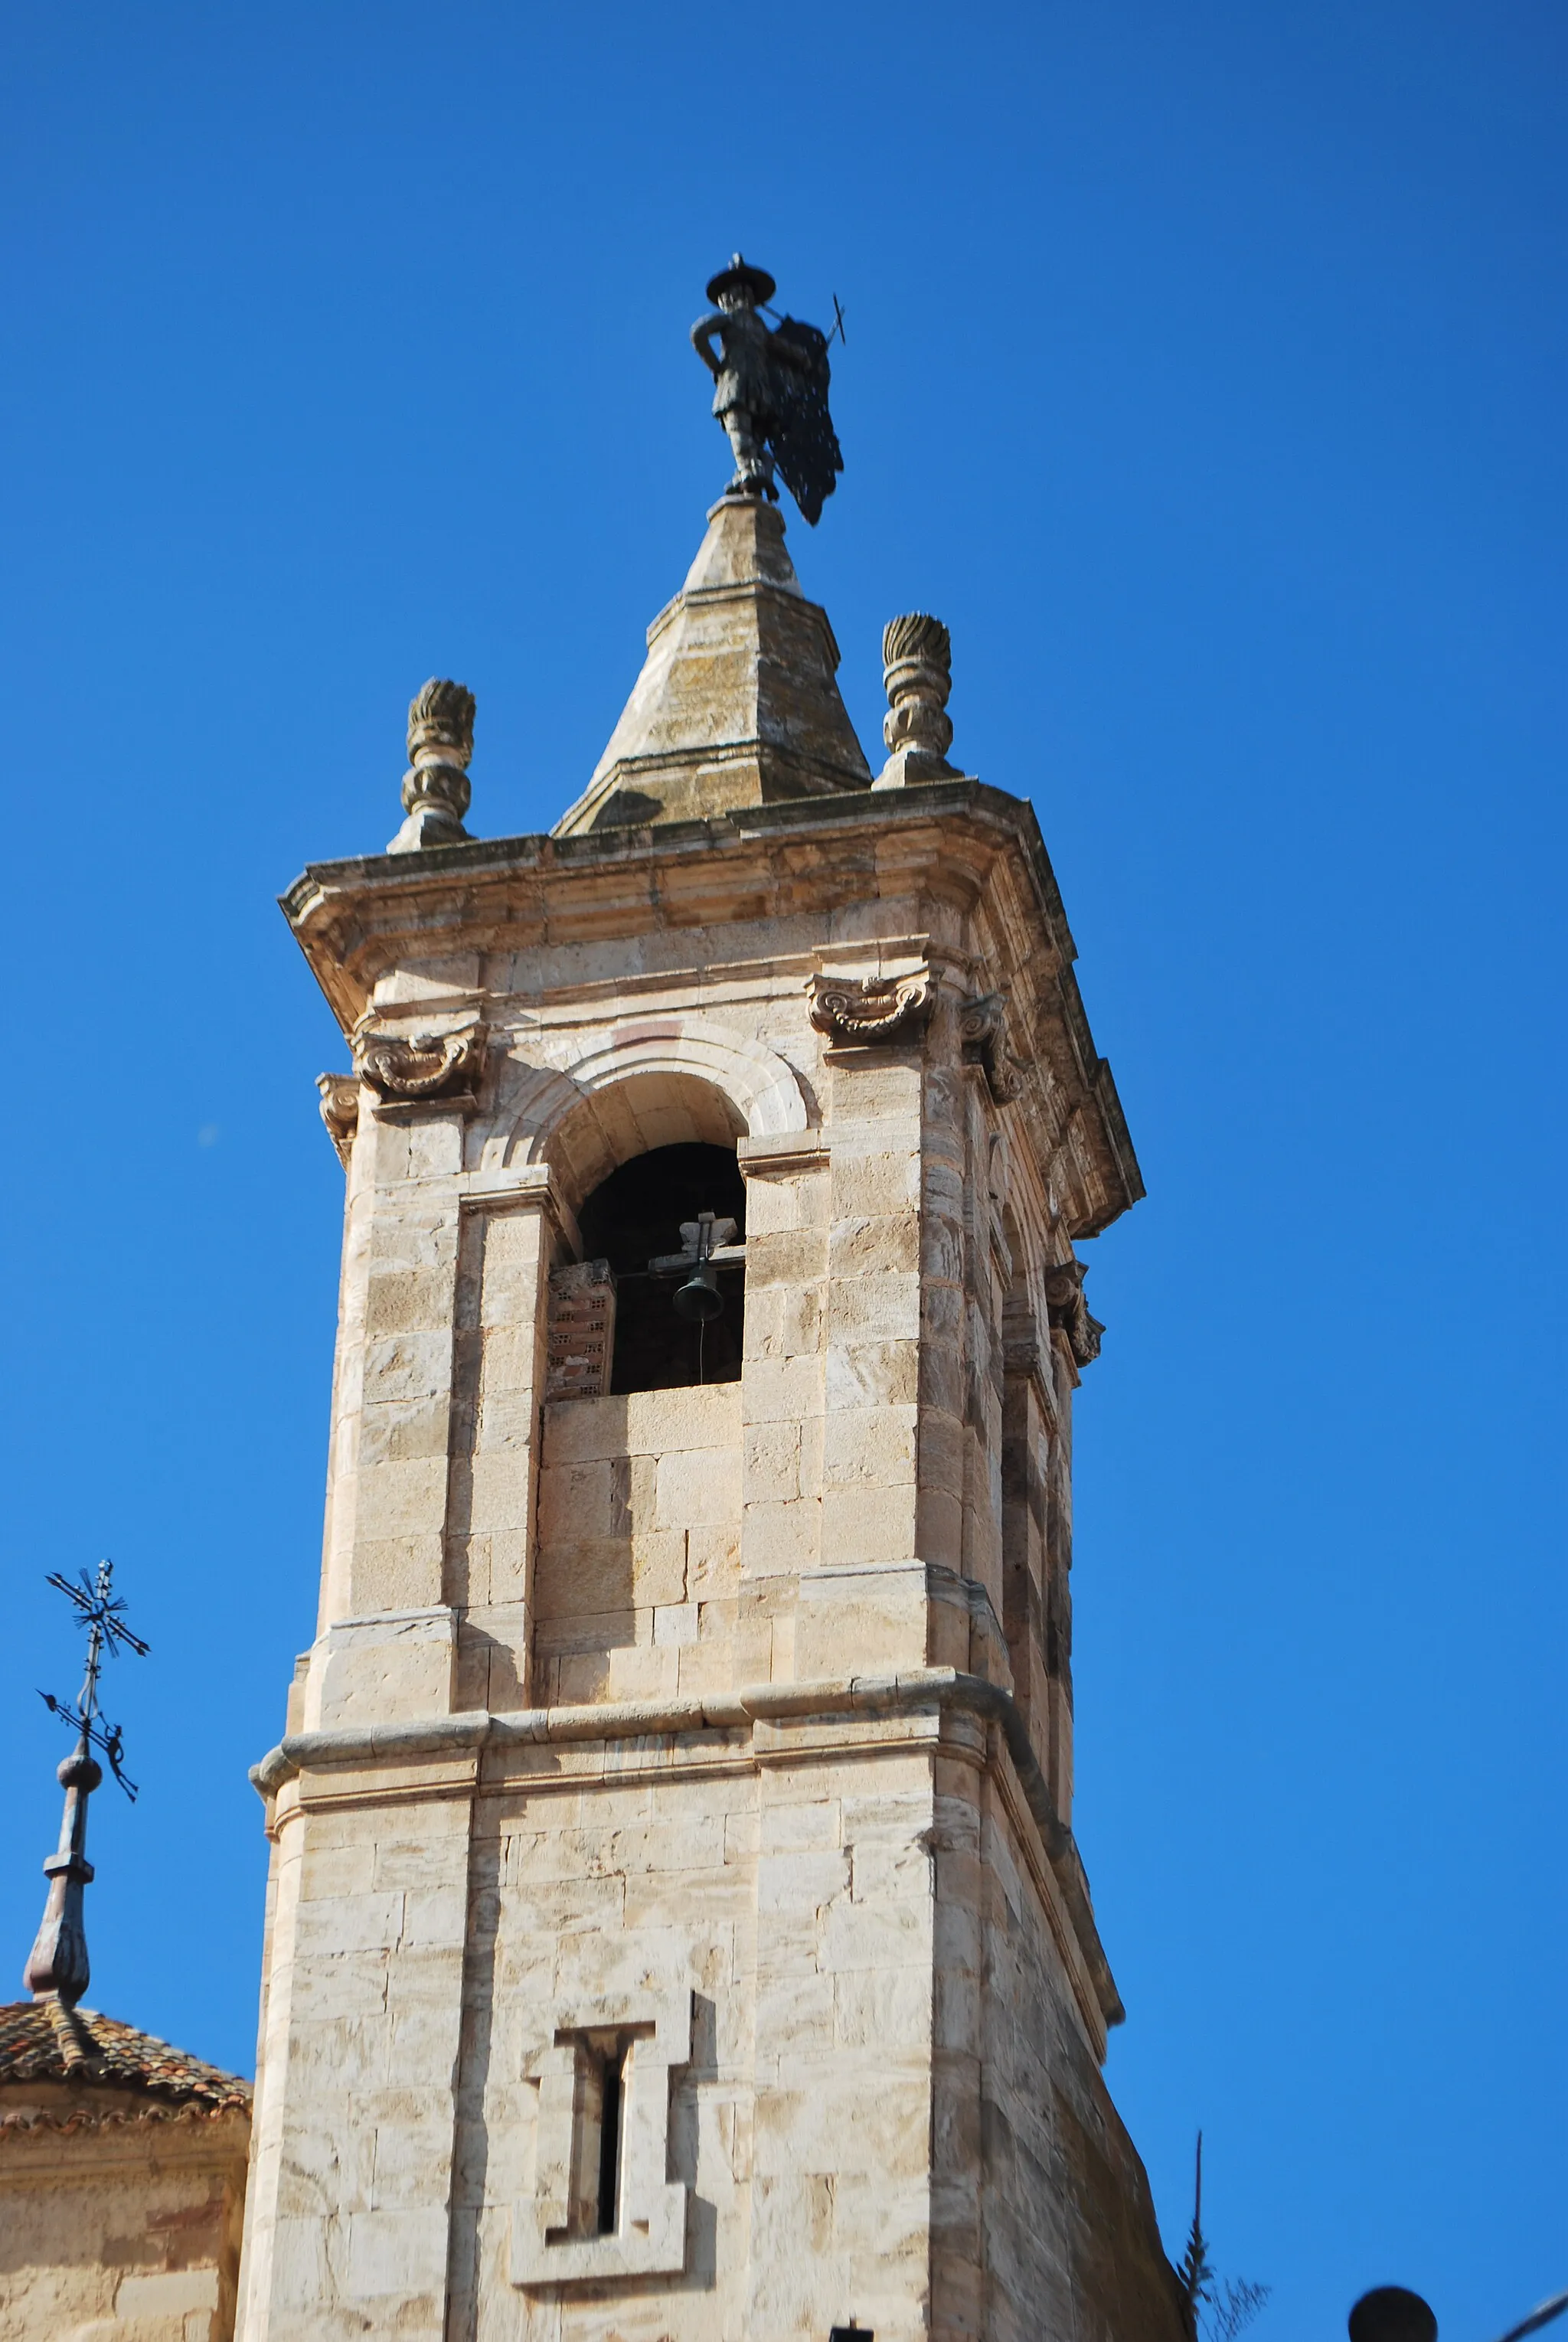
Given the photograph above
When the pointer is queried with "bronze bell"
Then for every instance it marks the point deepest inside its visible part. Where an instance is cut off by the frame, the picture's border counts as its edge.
(699, 1300)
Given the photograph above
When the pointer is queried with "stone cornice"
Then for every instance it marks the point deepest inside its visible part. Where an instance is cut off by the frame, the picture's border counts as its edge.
(75, 2143)
(354, 919)
(916, 1691)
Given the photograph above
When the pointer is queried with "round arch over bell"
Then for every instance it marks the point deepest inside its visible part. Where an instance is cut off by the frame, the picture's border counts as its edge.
(653, 1081)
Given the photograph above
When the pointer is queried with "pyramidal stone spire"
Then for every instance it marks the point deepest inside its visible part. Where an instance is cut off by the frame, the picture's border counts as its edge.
(737, 703)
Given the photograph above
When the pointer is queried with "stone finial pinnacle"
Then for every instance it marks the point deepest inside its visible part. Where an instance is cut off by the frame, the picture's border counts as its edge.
(917, 671)
(435, 789)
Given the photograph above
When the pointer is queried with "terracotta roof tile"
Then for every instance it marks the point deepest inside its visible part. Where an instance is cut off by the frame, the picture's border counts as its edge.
(40, 2041)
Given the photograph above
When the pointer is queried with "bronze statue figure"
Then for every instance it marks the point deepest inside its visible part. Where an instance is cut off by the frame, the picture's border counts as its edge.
(770, 391)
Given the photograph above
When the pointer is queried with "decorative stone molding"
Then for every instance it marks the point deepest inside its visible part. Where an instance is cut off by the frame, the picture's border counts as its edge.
(435, 789)
(1070, 1311)
(495, 1192)
(580, 1340)
(917, 671)
(783, 1155)
(1023, 1360)
(982, 1030)
(874, 1010)
(423, 1069)
(553, 2238)
(441, 1737)
(340, 1110)
(1026, 1354)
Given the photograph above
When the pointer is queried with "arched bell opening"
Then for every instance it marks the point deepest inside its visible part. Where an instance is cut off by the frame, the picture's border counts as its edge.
(671, 1222)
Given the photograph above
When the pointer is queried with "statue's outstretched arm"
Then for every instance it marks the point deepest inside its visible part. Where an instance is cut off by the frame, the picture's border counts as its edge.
(703, 333)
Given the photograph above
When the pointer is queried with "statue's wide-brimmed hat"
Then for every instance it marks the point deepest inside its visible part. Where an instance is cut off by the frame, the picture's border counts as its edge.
(740, 276)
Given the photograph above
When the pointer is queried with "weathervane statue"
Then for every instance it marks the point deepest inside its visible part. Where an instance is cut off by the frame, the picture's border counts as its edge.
(57, 1964)
(769, 390)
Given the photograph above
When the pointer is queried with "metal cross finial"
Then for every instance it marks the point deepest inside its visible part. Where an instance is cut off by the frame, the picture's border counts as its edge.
(102, 1613)
(58, 1961)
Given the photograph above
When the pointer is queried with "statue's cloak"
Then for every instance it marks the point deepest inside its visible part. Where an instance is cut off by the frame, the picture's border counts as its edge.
(800, 429)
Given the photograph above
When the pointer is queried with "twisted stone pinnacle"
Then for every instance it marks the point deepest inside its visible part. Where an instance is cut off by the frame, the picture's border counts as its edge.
(442, 717)
(435, 789)
(917, 670)
(918, 637)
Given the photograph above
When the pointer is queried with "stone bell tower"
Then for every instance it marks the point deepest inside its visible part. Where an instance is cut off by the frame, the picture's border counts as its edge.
(677, 1931)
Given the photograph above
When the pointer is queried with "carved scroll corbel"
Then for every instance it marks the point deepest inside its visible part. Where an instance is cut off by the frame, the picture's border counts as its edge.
(877, 1011)
(340, 1110)
(423, 1069)
(1070, 1311)
(982, 1031)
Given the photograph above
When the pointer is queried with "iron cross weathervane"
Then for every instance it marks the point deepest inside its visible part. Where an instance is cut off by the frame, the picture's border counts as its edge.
(57, 1963)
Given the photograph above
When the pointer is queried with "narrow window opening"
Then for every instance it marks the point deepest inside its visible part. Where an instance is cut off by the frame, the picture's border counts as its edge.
(634, 1220)
(610, 2105)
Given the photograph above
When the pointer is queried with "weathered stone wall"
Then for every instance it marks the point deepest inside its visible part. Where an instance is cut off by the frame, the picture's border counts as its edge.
(638, 1571)
(789, 1885)
(121, 2226)
(1052, 2231)
(885, 2102)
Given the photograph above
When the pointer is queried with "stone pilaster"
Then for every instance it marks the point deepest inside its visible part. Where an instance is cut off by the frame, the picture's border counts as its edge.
(348, 2217)
(386, 1639)
(508, 1242)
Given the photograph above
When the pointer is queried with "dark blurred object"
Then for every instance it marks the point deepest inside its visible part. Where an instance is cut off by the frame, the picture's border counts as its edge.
(1538, 2317)
(1389, 2314)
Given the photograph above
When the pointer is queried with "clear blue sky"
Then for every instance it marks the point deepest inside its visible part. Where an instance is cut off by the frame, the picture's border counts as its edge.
(1205, 372)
